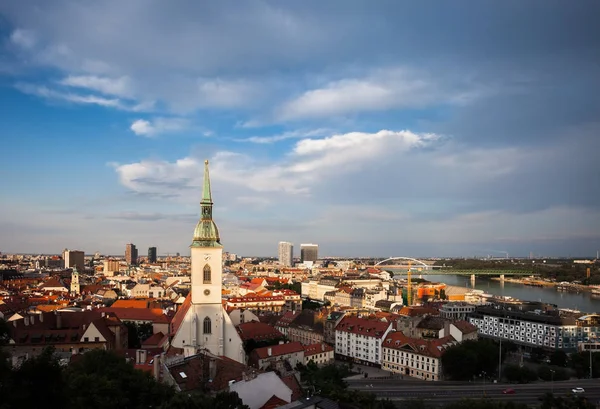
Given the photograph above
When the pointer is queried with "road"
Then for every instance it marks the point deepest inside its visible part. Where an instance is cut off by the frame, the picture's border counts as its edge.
(445, 392)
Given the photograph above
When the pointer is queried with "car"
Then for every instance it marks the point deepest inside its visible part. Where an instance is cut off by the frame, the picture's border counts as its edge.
(508, 391)
(578, 390)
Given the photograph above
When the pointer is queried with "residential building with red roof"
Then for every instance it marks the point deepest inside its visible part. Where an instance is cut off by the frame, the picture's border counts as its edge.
(319, 353)
(415, 357)
(66, 332)
(155, 316)
(262, 358)
(359, 339)
(258, 331)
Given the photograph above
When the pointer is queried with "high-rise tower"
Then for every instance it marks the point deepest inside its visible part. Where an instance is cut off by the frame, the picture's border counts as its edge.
(151, 255)
(286, 253)
(309, 252)
(206, 324)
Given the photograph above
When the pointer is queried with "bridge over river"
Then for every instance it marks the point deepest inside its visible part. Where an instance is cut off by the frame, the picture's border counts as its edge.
(401, 265)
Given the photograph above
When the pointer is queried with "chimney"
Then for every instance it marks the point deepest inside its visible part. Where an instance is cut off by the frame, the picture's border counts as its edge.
(26, 321)
(156, 367)
(270, 351)
(118, 337)
(141, 355)
(323, 346)
(212, 368)
(32, 319)
(42, 317)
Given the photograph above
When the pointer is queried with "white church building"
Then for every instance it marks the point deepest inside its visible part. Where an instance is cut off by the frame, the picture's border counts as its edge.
(202, 322)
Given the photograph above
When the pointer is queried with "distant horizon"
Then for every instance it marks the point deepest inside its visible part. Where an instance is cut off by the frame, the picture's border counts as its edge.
(162, 255)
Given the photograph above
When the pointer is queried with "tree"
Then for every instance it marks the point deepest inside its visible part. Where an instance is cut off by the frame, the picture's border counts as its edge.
(559, 358)
(100, 379)
(38, 378)
(515, 373)
(470, 358)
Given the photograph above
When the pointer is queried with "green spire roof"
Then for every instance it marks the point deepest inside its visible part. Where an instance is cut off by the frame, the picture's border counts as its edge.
(206, 195)
(206, 233)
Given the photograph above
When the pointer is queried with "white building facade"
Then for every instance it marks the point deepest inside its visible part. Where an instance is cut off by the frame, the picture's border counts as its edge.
(359, 339)
(286, 253)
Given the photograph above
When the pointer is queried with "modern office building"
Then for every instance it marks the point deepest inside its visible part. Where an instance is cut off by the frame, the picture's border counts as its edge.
(131, 254)
(286, 253)
(151, 254)
(536, 329)
(74, 259)
(309, 252)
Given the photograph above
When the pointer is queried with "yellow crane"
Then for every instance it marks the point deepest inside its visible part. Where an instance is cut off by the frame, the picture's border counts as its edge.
(409, 285)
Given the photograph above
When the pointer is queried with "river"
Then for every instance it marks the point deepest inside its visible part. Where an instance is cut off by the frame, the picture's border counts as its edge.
(582, 301)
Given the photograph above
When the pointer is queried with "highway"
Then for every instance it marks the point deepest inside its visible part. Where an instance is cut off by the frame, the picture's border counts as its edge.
(445, 391)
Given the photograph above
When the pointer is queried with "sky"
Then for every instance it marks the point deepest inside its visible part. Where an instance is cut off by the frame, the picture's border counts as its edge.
(387, 128)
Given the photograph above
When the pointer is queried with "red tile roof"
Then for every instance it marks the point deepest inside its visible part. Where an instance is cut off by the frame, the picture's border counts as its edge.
(317, 348)
(130, 304)
(156, 315)
(273, 403)
(363, 326)
(292, 382)
(417, 311)
(257, 331)
(155, 339)
(278, 350)
(287, 319)
(465, 327)
(433, 348)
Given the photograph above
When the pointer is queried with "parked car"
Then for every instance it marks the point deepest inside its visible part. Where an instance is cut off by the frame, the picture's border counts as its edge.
(578, 390)
(508, 391)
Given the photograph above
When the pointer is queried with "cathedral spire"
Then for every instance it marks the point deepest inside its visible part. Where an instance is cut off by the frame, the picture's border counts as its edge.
(206, 233)
(206, 194)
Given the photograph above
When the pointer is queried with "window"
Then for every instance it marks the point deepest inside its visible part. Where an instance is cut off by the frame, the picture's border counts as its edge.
(207, 274)
(207, 326)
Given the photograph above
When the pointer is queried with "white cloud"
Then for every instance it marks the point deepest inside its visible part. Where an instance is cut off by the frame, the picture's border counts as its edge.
(157, 126)
(286, 135)
(224, 94)
(301, 170)
(45, 92)
(120, 87)
(380, 90)
(23, 38)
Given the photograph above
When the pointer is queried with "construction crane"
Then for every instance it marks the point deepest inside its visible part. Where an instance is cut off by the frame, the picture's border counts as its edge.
(409, 285)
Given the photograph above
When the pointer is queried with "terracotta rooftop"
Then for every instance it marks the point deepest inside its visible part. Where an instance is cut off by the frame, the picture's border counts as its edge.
(363, 326)
(156, 315)
(465, 327)
(317, 348)
(417, 311)
(257, 331)
(278, 350)
(273, 403)
(433, 348)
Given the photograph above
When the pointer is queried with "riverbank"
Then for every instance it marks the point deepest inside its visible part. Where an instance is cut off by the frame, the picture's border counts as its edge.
(570, 287)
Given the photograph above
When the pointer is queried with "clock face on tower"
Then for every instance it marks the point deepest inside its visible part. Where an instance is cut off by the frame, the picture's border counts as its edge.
(207, 257)
(207, 292)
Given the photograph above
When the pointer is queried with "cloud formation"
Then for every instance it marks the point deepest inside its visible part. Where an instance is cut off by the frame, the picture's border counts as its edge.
(159, 125)
(363, 127)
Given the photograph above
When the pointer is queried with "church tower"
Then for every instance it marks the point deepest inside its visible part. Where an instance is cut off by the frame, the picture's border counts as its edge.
(207, 252)
(202, 321)
(75, 288)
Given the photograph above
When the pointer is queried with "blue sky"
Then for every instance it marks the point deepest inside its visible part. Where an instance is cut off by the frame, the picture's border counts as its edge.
(389, 128)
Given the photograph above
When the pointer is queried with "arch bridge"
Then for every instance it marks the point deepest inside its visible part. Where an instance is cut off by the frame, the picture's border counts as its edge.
(400, 265)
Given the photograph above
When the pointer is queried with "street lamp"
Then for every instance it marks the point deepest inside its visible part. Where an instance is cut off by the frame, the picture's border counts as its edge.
(483, 377)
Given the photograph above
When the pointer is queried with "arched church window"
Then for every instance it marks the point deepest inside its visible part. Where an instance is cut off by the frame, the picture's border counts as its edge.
(207, 274)
(207, 326)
